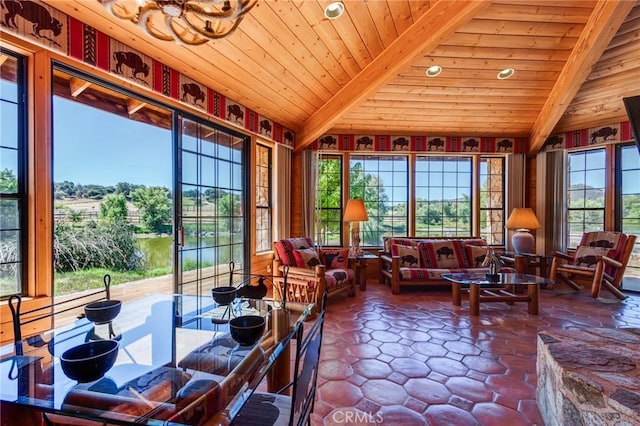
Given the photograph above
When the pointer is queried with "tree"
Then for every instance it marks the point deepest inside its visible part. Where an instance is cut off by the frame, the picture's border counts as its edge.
(371, 189)
(74, 216)
(114, 208)
(8, 181)
(155, 206)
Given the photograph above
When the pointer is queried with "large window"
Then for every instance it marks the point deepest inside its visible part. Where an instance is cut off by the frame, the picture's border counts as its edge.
(586, 193)
(13, 197)
(112, 189)
(443, 196)
(629, 200)
(264, 235)
(382, 182)
(213, 183)
(329, 200)
(492, 200)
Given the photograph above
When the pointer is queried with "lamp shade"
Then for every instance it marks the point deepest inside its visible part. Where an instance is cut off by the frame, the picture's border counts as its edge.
(355, 211)
(522, 218)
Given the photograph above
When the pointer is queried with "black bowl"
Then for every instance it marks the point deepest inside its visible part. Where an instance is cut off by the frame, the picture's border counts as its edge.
(89, 361)
(224, 295)
(247, 329)
(103, 311)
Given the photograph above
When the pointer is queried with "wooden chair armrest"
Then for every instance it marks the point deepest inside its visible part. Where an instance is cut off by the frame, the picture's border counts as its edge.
(385, 257)
(295, 271)
(611, 262)
(562, 255)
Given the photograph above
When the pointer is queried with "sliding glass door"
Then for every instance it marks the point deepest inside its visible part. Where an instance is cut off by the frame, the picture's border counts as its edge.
(211, 206)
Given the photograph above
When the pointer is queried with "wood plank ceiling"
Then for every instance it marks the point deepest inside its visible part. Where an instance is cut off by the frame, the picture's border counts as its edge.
(364, 73)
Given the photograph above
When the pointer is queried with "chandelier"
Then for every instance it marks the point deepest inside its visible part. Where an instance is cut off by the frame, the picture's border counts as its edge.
(190, 22)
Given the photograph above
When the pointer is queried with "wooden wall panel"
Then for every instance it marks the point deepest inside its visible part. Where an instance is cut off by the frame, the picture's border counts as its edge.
(297, 229)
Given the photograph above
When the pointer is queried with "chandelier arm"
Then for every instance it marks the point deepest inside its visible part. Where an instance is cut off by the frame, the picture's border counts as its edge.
(183, 28)
(145, 12)
(216, 33)
(241, 7)
(148, 25)
(195, 40)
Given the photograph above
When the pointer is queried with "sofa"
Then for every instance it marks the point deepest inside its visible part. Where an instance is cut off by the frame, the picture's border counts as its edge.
(311, 271)
(419, 261)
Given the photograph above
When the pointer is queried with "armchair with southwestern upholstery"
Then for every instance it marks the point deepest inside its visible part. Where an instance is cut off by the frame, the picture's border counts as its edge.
(311, 272)
(601, 258)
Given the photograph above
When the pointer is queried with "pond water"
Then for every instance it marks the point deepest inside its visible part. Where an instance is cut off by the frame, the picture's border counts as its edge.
(158, 251)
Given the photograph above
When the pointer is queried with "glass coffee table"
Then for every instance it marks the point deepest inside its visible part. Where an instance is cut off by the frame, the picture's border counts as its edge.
(502, 290)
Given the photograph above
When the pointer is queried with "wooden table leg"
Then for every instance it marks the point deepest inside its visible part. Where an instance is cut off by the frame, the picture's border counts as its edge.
(474, 299)
(363, 274)
(280, 372)
(455, 294)
(534, 292)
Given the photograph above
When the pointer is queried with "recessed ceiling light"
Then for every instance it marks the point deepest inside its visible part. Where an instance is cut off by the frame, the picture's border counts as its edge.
(506, 73)
(334, 10)
(433, 71)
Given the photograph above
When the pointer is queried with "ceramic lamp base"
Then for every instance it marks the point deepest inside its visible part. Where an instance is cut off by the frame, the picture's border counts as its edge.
(522, 241)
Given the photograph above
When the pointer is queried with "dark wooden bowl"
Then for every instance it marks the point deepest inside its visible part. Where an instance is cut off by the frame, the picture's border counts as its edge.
(103, 311)
(224, 295)
(247, 329)
(89, 361)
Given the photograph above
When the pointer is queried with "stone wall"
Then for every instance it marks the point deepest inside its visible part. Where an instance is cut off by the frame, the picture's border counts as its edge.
(589, 376)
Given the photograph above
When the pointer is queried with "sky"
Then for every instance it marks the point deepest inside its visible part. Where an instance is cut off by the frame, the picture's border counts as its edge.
(96, 147)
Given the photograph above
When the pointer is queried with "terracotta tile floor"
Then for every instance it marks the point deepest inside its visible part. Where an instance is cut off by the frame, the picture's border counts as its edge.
(414, 359)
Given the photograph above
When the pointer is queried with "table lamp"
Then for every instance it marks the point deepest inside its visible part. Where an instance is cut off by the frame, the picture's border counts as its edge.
(522, 220)
(354, 213)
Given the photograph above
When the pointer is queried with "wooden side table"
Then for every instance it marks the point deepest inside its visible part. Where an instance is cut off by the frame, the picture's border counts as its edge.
(528, 263)
(359, 265)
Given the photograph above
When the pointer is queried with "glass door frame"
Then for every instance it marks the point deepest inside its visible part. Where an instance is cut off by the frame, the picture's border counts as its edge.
(179, 236)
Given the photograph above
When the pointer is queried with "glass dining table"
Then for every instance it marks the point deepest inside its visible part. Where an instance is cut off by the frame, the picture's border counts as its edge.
(176, 362)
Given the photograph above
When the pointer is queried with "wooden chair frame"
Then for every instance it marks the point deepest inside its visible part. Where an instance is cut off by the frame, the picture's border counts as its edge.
(306, 285)
(563, 269)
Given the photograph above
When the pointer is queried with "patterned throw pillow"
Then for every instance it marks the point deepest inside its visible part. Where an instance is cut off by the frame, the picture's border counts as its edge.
(588, 256)
(335, 258)
(409, 255)
(445, 254)
(476, 255)
(612, 242)
(286, 248)
(306, 258)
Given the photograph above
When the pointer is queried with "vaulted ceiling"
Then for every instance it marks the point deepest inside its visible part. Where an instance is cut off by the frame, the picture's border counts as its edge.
(364, 73)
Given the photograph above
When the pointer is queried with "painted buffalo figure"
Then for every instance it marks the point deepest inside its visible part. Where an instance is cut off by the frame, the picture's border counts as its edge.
(265, 127)
(288, 137)
(327, 141)
(32, 12)
(340, 276)
(436, 143)
(236, 111)
(133, 61)
(553, 141)
(587, 261)
(602, 243)
(410, 259)
(604, 133)
(504, 145)
(401, 142)
(194, 91)
(365, 141)
(445, 251)
(472, 144)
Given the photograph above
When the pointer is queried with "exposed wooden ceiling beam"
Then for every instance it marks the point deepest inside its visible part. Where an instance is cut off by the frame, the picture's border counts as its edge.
(427, 32)
(603, 23)
(78, 86)
(133, 105)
